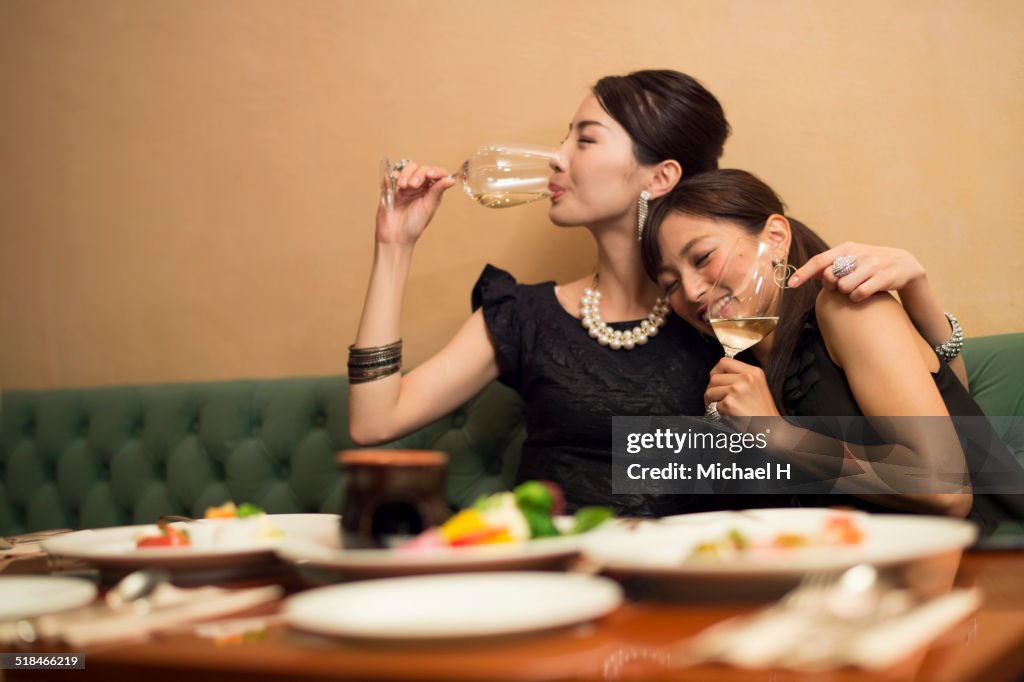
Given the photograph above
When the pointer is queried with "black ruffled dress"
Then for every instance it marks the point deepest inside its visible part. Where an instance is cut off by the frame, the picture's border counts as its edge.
(572, 387)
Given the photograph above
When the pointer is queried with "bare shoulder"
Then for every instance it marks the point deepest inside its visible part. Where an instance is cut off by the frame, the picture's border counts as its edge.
(848, 327)
(837, 305)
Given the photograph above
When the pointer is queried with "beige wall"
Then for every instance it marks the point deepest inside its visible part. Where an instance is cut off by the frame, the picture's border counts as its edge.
(187, 186)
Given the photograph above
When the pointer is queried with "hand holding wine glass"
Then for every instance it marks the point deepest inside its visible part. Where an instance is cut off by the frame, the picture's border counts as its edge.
(413, 195)
(744, 302)
(495, 175)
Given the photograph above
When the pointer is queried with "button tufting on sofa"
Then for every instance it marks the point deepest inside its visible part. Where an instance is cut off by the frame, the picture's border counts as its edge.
(117, 476)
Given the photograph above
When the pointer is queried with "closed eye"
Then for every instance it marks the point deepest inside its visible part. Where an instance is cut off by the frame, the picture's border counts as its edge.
(702, 260)
(669, 287)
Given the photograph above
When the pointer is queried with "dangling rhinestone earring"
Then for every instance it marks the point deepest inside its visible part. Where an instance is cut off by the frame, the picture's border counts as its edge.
(641, 214)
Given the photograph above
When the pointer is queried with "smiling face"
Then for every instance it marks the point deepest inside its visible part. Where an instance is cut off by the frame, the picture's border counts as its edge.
(693, 258)
(596, 177)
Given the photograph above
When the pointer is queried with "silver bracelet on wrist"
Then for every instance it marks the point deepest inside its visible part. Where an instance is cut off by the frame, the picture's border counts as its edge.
(952, 347)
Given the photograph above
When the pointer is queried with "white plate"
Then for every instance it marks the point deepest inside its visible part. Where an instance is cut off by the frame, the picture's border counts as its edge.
(664, 547)
(31, 596)
(453, 606)
(542, 553)
(214, 543)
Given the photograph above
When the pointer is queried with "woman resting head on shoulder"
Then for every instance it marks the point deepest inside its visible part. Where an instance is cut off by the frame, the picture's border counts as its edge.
(828, 356)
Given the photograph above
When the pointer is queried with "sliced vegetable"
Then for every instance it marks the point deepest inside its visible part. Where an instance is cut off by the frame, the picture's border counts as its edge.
(169, 536)
(541, 524)
(487, 536)
(790, 540)
(835, 531)
(467, 523)
(228, 510)
(523, 514)
(534, 495)
(247, 509)
(842, 530)
(588, 518)
(738, 539)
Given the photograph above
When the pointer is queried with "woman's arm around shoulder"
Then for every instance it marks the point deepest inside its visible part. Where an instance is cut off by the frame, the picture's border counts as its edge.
(888, 366)
(879, 269)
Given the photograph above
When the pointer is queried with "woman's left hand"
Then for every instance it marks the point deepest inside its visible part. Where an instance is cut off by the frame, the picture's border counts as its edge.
(878, 268)
(741, 390)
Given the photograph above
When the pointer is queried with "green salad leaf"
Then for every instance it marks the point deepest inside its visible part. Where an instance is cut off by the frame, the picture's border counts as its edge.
(248, 509)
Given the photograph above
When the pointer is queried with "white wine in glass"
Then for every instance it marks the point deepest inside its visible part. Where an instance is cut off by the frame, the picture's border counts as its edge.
(495, 175)
(736, 334)
(743, 306)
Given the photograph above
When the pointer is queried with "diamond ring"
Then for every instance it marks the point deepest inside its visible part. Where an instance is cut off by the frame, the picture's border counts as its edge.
(843, 266)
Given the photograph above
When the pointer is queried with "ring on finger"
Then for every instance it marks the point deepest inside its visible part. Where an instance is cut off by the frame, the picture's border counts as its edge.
(843, 266)
(400, 164)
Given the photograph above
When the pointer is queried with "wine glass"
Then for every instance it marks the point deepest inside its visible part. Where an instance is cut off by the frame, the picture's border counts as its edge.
(495, 175)
(743, 304)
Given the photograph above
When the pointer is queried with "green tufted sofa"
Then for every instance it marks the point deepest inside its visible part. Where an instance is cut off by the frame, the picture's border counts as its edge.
(95, 457)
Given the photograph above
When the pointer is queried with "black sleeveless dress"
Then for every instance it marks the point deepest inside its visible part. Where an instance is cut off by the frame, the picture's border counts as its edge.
(572, 387)
(816, 387)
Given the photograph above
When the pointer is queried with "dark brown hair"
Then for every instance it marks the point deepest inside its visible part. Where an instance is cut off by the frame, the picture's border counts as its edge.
(668, 115)
(739, 197)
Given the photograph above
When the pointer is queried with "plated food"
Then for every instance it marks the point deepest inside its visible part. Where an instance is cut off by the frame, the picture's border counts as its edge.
(529, 512)
(773, 543)
(836, 530)
(222, 527)
(231, 544)
(517, 530)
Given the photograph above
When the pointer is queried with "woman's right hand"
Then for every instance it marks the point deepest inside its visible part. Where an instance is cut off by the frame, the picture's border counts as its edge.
(417, 195)
(878, 268)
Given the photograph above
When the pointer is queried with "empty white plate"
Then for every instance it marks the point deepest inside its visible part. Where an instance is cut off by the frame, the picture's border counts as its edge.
(31, 596)
(453, 606)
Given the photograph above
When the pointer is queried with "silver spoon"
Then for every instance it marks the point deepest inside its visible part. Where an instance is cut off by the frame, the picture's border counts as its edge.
(133, 591)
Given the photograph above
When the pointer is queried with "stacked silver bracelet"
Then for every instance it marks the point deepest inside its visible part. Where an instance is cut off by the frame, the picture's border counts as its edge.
(952, 347)
(377, 362)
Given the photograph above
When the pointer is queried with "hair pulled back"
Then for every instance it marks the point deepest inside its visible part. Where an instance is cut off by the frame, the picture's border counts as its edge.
(668, 115)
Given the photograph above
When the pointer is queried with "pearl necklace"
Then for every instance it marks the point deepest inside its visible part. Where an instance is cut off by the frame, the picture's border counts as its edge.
(590, 314)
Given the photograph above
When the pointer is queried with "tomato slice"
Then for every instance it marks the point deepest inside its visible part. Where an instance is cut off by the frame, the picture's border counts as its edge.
(170, 536)
(843, 530)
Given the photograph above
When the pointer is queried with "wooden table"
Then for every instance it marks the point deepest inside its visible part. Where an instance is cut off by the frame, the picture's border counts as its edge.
(988, 646)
